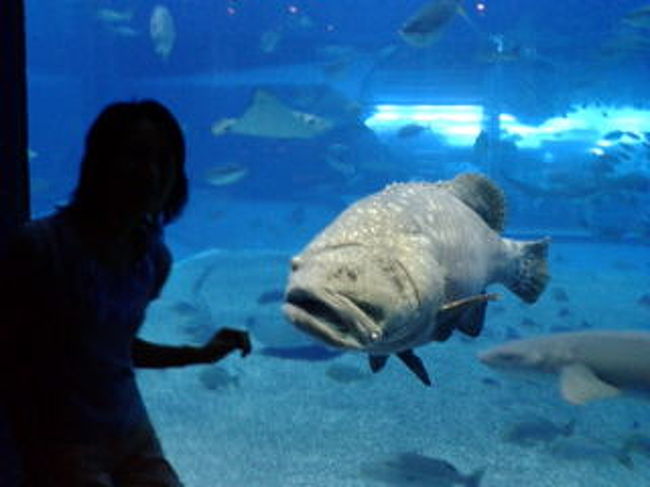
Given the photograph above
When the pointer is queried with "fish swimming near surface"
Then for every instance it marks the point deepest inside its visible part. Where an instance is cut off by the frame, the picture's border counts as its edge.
(162, 31)
(269, 117)
(225, 174)
(591, 364)
(113, 16)
(409, 265)
(424, 27)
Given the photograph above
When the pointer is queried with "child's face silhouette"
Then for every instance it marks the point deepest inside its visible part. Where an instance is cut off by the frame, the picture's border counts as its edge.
(149, 170)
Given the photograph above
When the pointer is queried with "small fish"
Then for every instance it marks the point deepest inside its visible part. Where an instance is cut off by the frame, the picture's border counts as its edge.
(426, 25)
(613, 135)
(225, 174)
(162, 31)
(113, 16)
(416, 470)
(592, 365)
(535, 431)
(407, 266)
(410, 130)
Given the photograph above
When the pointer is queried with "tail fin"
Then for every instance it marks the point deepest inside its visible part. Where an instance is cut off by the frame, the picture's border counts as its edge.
(529, 274)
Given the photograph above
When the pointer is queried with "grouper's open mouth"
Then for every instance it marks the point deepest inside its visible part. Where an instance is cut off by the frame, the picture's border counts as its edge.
(332, 318)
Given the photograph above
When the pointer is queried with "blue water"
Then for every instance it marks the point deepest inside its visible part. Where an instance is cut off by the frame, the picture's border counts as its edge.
(543, 85)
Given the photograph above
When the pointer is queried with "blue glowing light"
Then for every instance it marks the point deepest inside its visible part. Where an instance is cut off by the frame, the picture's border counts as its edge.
(459, 125)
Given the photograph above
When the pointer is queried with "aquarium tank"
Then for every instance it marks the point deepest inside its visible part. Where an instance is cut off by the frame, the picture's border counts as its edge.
(296, 110)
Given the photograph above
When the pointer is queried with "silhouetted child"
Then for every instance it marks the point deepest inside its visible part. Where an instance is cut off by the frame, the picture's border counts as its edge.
(74, 290)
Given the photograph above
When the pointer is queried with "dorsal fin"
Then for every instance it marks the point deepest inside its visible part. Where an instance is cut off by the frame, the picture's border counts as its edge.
(482, 196)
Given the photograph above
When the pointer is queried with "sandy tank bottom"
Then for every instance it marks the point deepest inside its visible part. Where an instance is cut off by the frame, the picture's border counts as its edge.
(271, 421)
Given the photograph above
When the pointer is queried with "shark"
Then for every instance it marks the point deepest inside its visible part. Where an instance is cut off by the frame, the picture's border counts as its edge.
(591, 365)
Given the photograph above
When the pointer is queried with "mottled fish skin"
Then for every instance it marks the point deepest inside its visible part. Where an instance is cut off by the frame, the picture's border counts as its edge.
(377, 278)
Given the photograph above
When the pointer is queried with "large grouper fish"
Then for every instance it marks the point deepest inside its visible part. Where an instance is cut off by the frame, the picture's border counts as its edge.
(409, 265)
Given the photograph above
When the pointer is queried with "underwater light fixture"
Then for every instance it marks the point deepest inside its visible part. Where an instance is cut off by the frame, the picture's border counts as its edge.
(459, 125)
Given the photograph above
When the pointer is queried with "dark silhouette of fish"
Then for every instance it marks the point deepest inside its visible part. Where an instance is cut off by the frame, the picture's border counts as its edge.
(410, 130)
(535, 431)
(416, 470)
(424, 27)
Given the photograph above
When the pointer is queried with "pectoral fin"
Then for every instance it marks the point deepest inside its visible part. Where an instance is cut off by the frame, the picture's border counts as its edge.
(377, 362)
(466, 314)
(579, 384)
(412, 361)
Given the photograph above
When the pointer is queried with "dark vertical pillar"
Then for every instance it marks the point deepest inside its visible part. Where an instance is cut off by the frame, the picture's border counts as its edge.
(14, 181)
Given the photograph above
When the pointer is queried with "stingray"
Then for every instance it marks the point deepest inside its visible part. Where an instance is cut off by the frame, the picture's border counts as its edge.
(269, 117)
